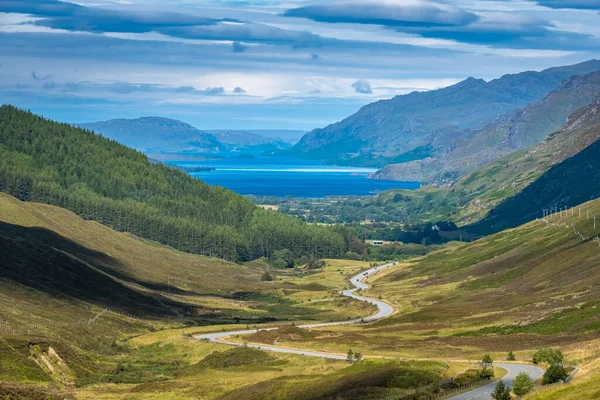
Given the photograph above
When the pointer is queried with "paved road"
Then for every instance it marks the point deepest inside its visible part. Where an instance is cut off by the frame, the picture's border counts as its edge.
(484, 392)
(384, 310)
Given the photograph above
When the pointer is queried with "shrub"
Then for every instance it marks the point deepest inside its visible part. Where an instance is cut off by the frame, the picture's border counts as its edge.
(511, 356)
(487, 360)
(523, 384)
(501, 391)
(549, 356)
(267, 277)
(554, 374)
(486, 373)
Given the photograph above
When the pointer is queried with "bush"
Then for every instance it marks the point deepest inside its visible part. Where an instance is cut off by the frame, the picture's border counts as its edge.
(554, 374)
(267, 277)
(511, 356)
(487, 360)
(486, 373)
(548, 356)
(501, 392)
(523, 384)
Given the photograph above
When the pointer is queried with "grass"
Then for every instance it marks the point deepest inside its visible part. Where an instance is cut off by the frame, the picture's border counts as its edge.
(525, 288)
(518, 290)
(59, 272)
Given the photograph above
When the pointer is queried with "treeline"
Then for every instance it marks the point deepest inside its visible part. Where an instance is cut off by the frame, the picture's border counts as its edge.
(101, 180)
(425, 233)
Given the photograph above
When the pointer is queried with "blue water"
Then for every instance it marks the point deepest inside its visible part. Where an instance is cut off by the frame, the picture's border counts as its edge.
(281, 177)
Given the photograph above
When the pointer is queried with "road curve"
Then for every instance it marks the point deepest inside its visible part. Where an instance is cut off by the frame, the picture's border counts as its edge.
(484, 392)
(384, 310)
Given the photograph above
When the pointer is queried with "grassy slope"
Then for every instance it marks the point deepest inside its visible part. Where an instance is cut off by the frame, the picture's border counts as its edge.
(485, 188)
(57, 271)
(517, 290)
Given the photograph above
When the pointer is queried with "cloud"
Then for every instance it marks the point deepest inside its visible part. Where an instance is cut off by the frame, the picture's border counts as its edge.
(238, 47)
(126, 88)
(37, 77)
(71, 16)
(74, 17)
(49, 85)
(239, 90)
(385, 12)
(436, 20)
(362, 86)
(246, 32)
(208, 91)
(575, 4)
(509, 30)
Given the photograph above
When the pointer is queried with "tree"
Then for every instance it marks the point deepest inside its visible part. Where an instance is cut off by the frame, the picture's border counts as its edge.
(548, 356)
(487, 360)
(358, 356)
(511, 356)
(350, 356)
(554, 374)
(267, 277)
(523, 384)
(501, 391)
(486, 373)
(315, 264)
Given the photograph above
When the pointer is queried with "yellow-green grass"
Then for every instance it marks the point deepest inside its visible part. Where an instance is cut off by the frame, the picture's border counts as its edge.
(585, 383)
(215, 292)
(522, 289)
(140, 260)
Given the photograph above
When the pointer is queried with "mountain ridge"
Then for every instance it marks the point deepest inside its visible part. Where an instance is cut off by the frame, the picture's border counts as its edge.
(389, 128)
(509, 132)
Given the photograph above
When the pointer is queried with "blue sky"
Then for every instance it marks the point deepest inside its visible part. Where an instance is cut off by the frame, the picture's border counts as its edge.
(291, 64)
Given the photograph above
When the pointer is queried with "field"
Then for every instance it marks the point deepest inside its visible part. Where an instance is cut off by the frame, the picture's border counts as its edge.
(83, 317)
(92, 312)
(519, 290)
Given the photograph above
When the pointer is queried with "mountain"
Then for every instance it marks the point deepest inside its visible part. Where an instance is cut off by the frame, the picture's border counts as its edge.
(510, 132)
(470, 198)
(524, 288)
(249, 142)
(390, 128)
(157, 135)
(279, 135)
(101, 180)
(573, 176)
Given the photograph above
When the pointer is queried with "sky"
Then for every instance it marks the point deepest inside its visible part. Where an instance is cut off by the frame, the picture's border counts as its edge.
(270, 64)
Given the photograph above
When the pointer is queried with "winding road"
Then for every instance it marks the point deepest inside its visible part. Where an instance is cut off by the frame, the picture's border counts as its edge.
(384, 310)
(484, 392)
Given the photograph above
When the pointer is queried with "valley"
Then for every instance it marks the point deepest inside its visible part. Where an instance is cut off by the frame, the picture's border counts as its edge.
(348, 200)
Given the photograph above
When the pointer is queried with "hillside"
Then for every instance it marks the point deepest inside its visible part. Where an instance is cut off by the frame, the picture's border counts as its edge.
(519, 129)
(393, 127)
(571, 150)
(82, 302)
(248, 142)
(471, 197)
(101, 180)
(522, 289)
(156, 135)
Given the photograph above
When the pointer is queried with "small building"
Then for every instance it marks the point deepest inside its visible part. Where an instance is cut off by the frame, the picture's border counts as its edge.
(377, 242)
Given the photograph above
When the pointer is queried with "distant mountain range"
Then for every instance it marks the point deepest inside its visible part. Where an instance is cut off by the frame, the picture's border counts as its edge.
(562, 171)
(428, 125)
(519, 129)
(157, 135)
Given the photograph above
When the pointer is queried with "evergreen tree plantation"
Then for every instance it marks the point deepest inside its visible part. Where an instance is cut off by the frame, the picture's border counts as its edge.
(101, 180)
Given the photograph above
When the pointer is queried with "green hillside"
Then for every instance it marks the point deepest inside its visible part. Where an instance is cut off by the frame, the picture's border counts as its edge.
(525, 288)
(101, 180)
(73, 292)
(565, 185)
